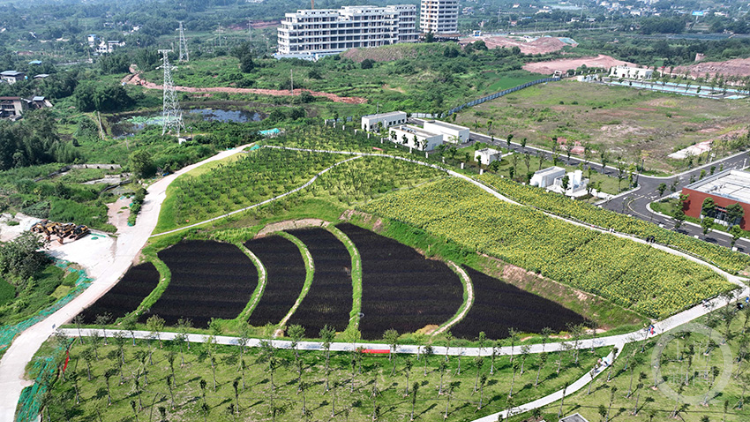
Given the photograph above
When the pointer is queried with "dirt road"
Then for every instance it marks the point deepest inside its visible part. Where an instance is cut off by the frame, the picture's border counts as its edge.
(137, 80)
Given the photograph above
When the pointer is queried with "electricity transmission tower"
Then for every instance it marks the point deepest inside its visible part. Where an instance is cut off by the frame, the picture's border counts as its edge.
(184, 54)
(171, 114)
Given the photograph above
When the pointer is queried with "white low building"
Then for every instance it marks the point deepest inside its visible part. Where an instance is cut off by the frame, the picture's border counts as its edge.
(577, 185)
(386, 120)
(415, 137)
(451, 133)
(545, 178)
(487, 155)
(627, 72)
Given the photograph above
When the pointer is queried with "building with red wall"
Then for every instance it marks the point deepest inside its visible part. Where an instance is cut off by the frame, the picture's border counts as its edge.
(726, 188)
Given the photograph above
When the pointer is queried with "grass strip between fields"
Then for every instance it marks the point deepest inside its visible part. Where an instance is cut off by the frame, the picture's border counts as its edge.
(165, 276)
(258, 293)
(468, 299)
(309, 266)
(356, 278)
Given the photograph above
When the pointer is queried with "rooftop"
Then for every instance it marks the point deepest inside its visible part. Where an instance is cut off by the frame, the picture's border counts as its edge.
(549, 170)
(446, 124)
(389, 114)
(415, 130)
(731, 184)
(490, 151)
(11, 73)
(574, 418)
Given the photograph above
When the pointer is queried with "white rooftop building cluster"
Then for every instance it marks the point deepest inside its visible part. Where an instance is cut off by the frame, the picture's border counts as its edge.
(426, 138)
(552, 179)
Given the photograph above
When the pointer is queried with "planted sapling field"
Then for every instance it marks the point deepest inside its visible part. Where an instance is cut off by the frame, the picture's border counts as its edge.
(209, 280)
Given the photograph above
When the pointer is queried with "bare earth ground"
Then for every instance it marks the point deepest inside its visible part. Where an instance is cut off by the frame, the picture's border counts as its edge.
(118, 216)
(137, 80)
(8, 233)
(541, 45)
(562, 65)
(734, 67)
(625, 122)
(291, 225)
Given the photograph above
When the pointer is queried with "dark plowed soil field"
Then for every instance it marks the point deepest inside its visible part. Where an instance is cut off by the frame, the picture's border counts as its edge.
(209, 279)
(401, 289)
(127, 294)
(329, 300)
(499, 306)
(285, 271)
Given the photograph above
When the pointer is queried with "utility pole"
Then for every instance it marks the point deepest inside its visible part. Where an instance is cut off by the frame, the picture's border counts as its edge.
(171, 114)
(291, 79)
(184, 54)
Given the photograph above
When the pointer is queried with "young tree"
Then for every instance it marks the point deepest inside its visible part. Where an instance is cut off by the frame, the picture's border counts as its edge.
(391, 337)
(662, 187)
(482, 382)
(414, 390)
(515, 365)
(327, 334)
(542, 360)
(155, 324)
(513, 335)
(407, 370)
(707, 224)
(296, 332)
(479, 362)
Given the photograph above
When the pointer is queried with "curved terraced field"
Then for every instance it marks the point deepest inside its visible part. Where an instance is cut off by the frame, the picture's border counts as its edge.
(499, 306)
(329, 300)
(126, 295)
(285, 277)
(209, 279)
(401, 289)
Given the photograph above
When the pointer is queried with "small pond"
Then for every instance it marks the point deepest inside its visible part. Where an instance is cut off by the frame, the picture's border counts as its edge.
(130, 125)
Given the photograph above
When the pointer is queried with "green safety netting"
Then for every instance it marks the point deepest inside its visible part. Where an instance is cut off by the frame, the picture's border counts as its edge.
(9, 332)
(30, 401)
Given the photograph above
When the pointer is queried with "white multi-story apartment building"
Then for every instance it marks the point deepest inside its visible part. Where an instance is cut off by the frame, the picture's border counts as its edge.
(439, 16)
(315, 33)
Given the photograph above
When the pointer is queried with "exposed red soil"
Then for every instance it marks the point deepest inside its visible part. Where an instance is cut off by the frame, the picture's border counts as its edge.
(562, 65)
(137, 80)
(542, 45)
(733, 67)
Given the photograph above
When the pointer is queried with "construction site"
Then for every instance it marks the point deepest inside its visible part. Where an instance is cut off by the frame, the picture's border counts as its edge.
(61, 231)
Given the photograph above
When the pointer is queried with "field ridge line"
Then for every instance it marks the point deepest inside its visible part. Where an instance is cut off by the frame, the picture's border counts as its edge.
(259, 289)
(468, 303)
(356, 275)
(165, 277)
(267, 201)
(309, 270)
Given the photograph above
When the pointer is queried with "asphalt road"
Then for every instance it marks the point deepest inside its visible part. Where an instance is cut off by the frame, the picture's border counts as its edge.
(636, 202)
